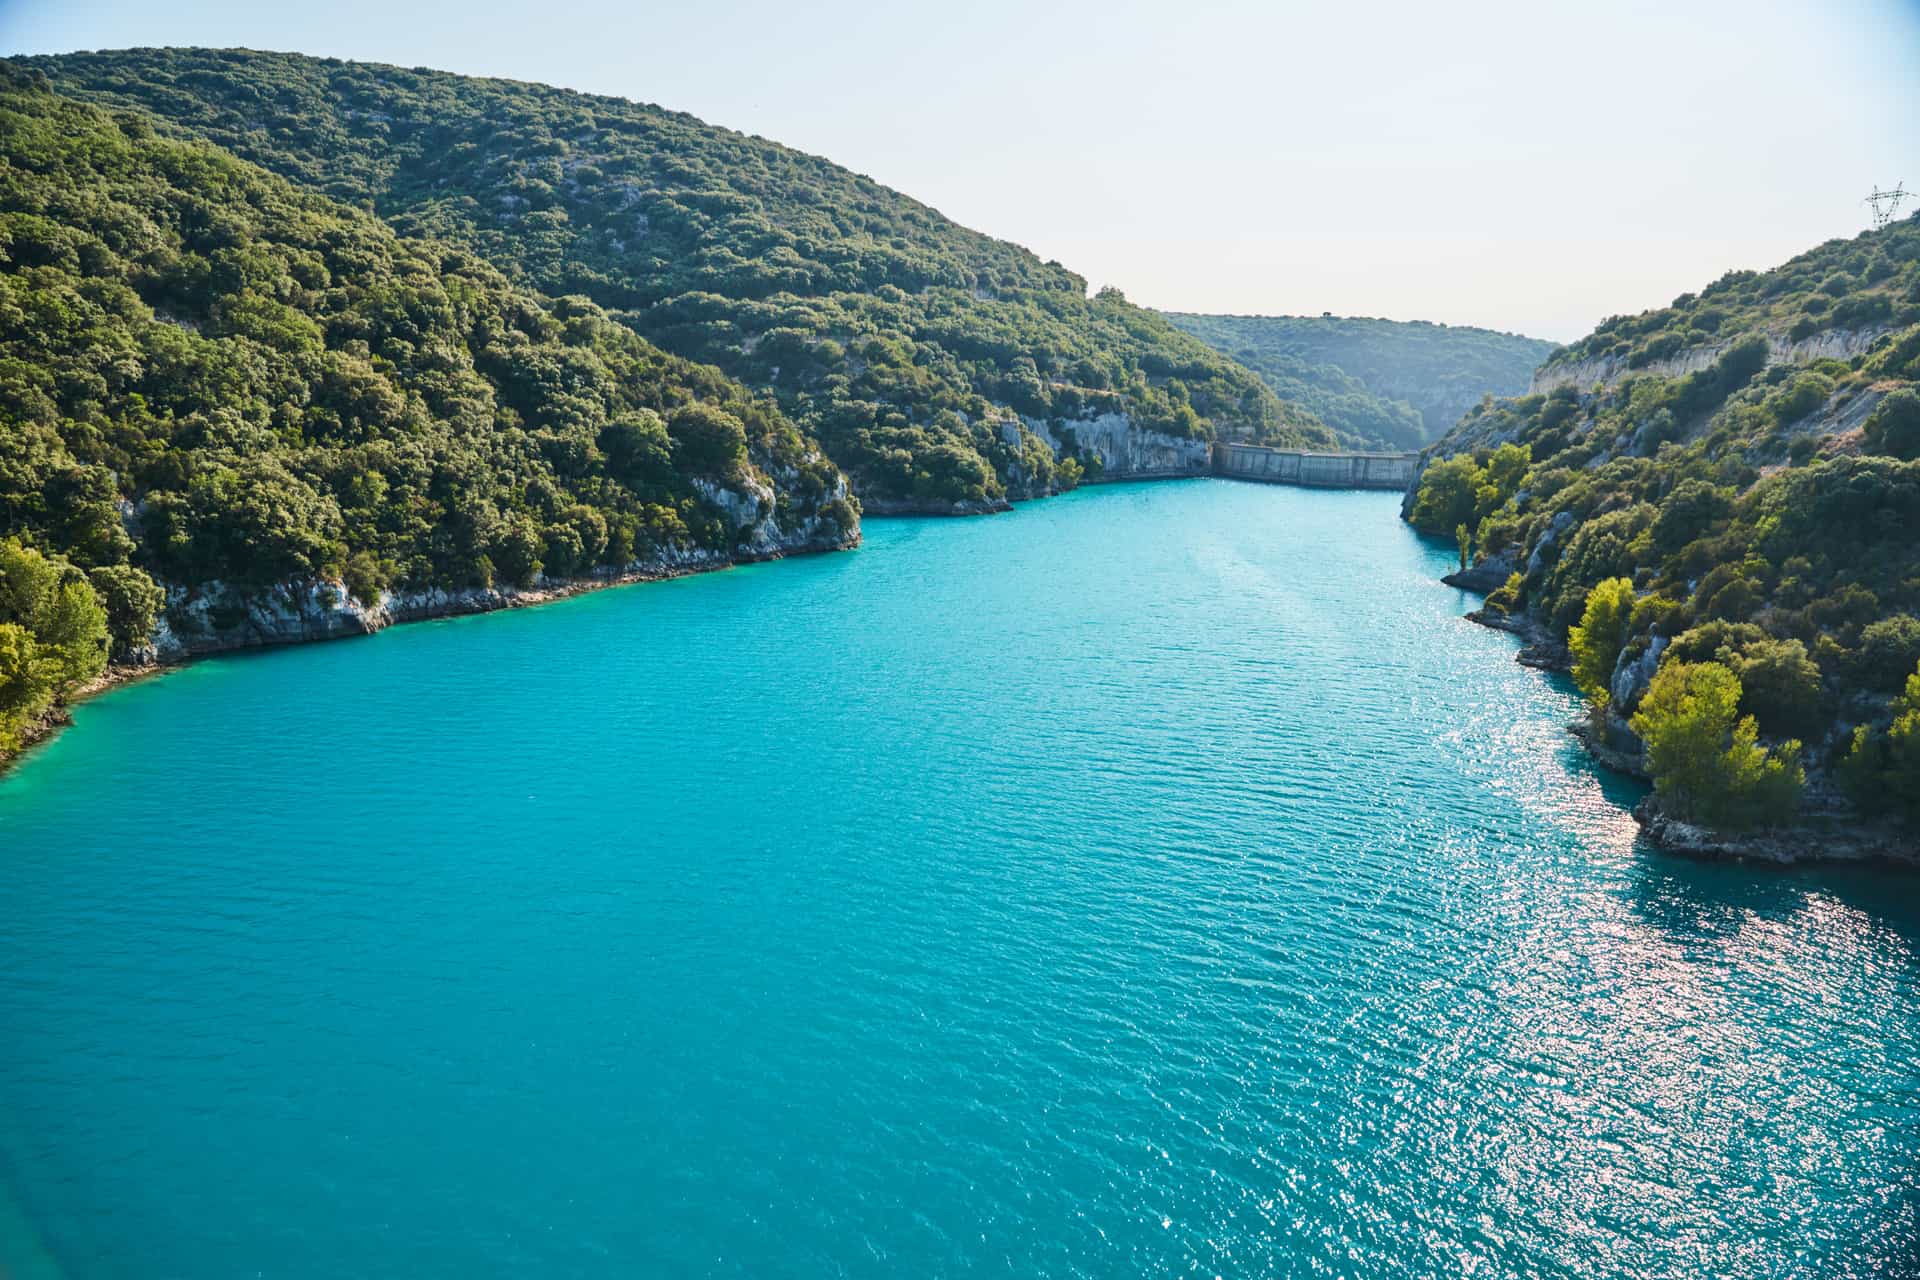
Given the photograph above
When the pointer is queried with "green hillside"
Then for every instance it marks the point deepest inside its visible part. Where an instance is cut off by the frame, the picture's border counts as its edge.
(209, 376)
(1847, 286)
(909, 346)
(1748, 506)
(1382, 384)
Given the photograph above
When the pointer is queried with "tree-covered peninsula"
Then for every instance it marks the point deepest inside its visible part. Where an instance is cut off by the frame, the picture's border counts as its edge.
(1378, 384)
(228, 404)
(1711, 516)
(943, 369)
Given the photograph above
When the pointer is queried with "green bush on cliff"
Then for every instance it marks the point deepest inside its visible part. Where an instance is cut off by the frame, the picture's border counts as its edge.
(1881, 769)
(53, 636)
(1705, 758)
(1894, 426)
(133, 602)
(1596, 641)
(1465, 490)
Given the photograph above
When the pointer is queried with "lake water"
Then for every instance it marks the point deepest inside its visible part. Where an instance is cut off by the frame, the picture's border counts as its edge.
(1160, 880)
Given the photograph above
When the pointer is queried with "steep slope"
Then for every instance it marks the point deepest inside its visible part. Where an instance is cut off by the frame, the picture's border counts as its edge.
(945, 370)
(300, 424)
(1711, 485)
(1378, 383)
(1830, 302)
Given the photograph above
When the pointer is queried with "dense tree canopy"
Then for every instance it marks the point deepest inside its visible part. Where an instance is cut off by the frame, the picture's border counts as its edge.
(208, 374)
(907, 345)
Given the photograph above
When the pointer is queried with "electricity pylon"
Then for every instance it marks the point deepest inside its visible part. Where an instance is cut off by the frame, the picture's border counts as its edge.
(1886, 204)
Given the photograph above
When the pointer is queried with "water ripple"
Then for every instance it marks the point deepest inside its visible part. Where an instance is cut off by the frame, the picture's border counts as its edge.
(1157, 881)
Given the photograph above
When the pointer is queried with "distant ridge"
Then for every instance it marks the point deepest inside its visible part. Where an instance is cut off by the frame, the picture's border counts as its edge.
(1386, 384)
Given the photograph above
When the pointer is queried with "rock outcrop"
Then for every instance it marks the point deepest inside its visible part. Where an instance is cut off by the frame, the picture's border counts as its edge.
(1835, 344)
(1488, 574)
(215, 617)
(1126, 452)
(1812, 841)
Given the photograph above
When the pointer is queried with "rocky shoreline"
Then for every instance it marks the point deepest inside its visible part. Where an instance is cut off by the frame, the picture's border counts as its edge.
(1833, 835)
(311, 612)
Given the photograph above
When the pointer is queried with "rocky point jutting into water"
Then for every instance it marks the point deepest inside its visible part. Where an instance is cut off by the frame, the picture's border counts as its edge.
(1715, 538)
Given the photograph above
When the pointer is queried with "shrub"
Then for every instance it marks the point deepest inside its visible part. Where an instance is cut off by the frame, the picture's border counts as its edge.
(1889, 649)
(1781, 686)
(1445, 498)
(1599, 636)
(1705, 758)
(1881, 770)
(133, 601)
(707, 440)
(363, 578)
(53, 635)
(1894, 426)
(1505, 598)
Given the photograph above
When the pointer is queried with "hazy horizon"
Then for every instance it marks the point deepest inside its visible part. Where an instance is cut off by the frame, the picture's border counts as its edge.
(1500, 167)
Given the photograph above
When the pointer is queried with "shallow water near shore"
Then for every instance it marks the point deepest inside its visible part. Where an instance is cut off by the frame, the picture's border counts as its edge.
(1162, 879)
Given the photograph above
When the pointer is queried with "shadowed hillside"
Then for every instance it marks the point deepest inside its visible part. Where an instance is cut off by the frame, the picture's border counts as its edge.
(944, 369)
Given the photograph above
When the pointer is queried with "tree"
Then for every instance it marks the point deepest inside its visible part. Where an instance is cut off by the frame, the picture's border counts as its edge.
(707, 441)
(1889, 649)
(1464, 537)
(53, 602)
(1781, 686)
(53, 635)
(1881, 769)
(517, 549)
(1705, 758)
(1599, 636)
(133, 602)
(1445, 499)
(1690, 511)
(26, 684)
(1894, 426)
(1507, 467)
(27, 579)
(639, 451)
(71, 630)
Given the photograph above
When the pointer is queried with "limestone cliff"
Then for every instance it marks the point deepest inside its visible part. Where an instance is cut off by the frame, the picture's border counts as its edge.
(216, 616)
(1835, 344)
(1125, 451)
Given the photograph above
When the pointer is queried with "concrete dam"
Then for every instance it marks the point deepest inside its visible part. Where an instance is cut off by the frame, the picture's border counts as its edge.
(1321, 470)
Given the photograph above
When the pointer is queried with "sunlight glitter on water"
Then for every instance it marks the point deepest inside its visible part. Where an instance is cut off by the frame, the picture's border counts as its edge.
(1158, 880)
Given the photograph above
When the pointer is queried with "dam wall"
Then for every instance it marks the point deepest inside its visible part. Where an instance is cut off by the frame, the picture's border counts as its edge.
(1320, 470)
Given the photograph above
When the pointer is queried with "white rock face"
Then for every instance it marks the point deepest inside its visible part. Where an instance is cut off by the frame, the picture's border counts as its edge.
(1124, 449)
(1561, 522)
(219, 616)
(1834, 344)
(1631, 678)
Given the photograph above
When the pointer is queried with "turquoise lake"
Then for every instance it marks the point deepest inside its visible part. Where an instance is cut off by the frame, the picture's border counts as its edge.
(1159, 880)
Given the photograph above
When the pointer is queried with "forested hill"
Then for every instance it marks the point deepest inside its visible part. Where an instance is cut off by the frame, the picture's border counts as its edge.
(1717, 508)
(1378, 383)
(1829, 301)
(214, 381)
(929, 359)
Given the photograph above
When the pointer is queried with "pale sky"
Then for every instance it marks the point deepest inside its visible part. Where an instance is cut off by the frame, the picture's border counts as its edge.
(1526, 166)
